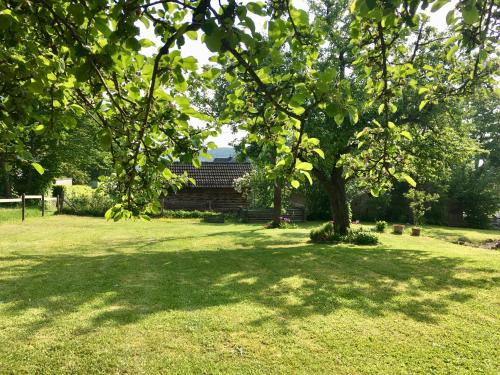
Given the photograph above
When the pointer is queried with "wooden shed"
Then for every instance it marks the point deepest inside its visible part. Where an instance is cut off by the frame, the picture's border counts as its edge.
(214, 189)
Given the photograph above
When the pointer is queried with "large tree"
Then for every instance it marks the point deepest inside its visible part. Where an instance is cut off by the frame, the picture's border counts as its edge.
(383, 85)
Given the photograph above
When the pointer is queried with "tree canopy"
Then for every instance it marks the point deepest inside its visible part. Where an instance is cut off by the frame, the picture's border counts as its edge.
(61, 60)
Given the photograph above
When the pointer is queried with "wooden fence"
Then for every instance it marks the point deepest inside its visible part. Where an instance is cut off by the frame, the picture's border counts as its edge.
(263, 215)
(22, 199)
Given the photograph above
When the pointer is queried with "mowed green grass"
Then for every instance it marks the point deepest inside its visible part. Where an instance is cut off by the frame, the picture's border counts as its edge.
(85, 296)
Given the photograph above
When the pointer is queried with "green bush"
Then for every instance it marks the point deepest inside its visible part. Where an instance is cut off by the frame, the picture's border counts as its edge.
(184, 214)
(380, 226)
(325, 233)
(285, 223)
(85, 201)
(362, 238)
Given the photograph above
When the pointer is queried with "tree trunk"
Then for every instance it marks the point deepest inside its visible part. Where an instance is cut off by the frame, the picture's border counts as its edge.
(334, 186)
(338, 202)
(5, 181)
(277, 204)
(7, 186)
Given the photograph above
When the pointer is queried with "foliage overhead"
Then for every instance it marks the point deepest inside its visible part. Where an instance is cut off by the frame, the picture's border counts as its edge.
(61, 59)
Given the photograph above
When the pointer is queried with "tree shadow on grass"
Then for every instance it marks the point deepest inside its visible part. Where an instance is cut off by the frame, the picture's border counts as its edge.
(293, 280)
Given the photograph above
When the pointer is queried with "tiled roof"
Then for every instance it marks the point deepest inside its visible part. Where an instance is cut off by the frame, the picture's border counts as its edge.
(216, 175)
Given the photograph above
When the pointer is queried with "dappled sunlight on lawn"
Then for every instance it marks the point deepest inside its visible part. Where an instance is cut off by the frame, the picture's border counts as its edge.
(145, 279)
(241, 285)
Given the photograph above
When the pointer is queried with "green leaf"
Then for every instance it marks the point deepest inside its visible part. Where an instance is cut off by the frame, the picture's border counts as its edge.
(167, 174)
(300, 17)
(295, 184)
(381, 108)
(406, 134)
(393, 107)
(408, 179)
(438, 5)
(295, 123)
(182, 101)
(213, 41)
(144, 217)
(297, 109)
(196, 163)
(108, 214)
(319, 152)
(189, 63)
(339, 118)
(361, 133)
(308, 176)
(191, 34)
(470, 13)
(77, 12)
(6, 19)
(181, 86)
(206, 155)
(106, 138)
(354, 117)
(77, 109)
(145, 43)
(450, 17)
(422, 104)
(39, 128)
(256, 8)
(303, 165)
(280, 163)
(451, 52)
(133, 44)
(38, 168)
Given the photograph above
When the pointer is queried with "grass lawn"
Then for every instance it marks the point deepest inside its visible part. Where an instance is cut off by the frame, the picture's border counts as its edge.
(81, 295)
(13, 215)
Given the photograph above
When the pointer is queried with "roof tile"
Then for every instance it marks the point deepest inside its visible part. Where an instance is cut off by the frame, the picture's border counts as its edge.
(216, 175)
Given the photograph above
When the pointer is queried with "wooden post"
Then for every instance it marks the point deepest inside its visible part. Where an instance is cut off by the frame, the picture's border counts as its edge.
(61, 201)
(43, 205)
(23, 205)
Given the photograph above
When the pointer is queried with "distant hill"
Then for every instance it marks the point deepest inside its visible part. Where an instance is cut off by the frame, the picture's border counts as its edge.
(221, 152)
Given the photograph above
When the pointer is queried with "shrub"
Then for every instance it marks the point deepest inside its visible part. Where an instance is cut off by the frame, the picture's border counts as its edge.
(380, 226)
(85, 201)
(184, 214)
(362, 238)
(286, 223)
(325, 233)
(462, 240)
(420, 203)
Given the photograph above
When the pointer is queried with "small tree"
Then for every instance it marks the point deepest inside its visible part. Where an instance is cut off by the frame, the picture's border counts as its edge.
(259, 189)
(420, 202)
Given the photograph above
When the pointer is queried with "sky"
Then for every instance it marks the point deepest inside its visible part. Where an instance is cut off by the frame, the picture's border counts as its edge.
(197, 49)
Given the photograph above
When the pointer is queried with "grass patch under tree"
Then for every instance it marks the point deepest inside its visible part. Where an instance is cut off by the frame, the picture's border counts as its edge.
(80, 295)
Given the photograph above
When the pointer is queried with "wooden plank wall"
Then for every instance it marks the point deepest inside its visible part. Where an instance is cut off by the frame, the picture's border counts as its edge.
(214, 199)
